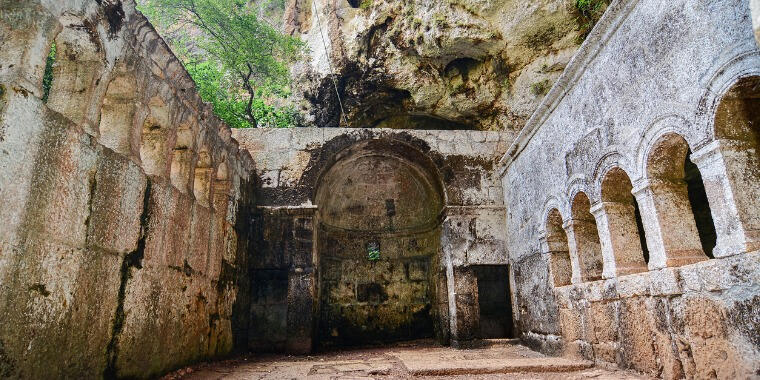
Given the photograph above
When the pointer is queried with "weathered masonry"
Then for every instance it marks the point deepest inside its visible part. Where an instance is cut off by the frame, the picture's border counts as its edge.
(140, 234)
(633, 195)
(427, 202)
(124, 201)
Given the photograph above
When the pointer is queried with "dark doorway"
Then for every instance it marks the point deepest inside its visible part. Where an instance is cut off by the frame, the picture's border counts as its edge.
(700, 207)
(494, 301)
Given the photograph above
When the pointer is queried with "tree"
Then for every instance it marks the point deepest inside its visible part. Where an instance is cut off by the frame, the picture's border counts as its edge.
(239, 60)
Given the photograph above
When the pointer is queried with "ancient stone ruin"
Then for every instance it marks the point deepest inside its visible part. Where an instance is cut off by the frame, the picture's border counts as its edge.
(619, 225)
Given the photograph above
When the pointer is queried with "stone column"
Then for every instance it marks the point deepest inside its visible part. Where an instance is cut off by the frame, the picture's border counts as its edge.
(560, 268)
(619, 237)
(467, 316)
(586, 251)
(731, 174)
(301, 283)
(574, 261)
(671, 231)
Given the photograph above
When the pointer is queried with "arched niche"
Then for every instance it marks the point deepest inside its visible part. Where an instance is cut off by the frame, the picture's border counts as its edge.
(559, 251)
(202, 177)
(378, 240)
(182, 158)
(155, 131)
(625, 229)
(682, 211)
(586, 236)
(222, 186)
(118, 111)
(79, 64)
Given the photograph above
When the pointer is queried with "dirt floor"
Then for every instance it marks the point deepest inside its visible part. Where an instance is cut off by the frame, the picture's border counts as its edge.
(422, 359)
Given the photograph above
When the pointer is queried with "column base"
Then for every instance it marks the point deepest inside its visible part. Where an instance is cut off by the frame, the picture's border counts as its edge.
(686, 257)
(631, 269)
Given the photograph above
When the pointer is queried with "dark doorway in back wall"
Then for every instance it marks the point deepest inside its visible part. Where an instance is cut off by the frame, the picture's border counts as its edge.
(494, 301)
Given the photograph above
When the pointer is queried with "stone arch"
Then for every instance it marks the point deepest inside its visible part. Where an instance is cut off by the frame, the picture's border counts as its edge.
(609, 161)
(558, 249)
(745, 62)
(376, 200)
(202, 177)
(118, 111)
(401, 144)
(675, 185)
(622, 224)
(577, 184)
(79, 64)
(550, 204)
(661, 126)
(586, 237)
(155, 133)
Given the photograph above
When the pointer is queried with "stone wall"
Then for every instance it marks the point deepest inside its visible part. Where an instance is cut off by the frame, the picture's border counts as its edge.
(125, 202)
(349, 208)
(606, 228)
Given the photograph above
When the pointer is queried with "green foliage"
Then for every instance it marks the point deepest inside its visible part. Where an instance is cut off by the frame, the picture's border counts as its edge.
(440, 19)
(365, 4)
(540, 37)
(239, 61)
(373, 254)
(540, 88)
(231, 106)
(47, 79)
(589, 11)
(507, 85)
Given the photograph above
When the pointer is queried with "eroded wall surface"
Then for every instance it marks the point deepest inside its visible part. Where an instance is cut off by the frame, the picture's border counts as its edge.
(124, 200)
(644, 92)
(377, 194)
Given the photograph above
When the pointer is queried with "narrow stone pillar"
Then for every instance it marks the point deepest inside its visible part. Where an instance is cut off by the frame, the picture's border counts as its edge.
(671, 231)
(301, 283)
(587, 252)
(467, 316)
(730, 171)
(558, 257)
(619, 237)
(574, 261)
(605, 239)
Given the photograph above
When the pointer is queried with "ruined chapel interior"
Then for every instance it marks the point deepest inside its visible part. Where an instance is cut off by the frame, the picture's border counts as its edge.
(613, 227)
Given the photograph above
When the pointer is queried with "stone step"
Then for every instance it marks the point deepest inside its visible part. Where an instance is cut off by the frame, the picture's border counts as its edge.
(494, 366)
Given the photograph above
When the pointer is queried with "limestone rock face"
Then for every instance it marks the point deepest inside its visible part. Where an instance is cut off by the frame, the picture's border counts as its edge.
(483, 64)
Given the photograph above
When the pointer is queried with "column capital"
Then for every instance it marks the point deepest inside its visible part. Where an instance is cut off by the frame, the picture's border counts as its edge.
(640, 186)
(597, 209)
(705, 152)
(712, 149)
